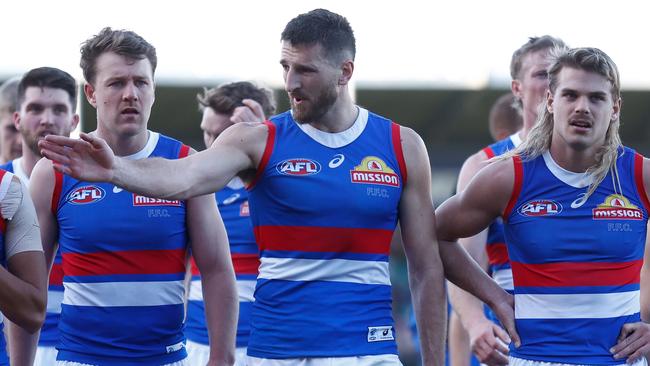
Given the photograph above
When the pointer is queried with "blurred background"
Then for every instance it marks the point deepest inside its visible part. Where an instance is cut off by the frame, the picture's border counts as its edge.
(434, 66)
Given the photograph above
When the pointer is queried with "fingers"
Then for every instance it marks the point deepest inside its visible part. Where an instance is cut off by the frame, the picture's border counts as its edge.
(60, 140)
(251, 111)
(633, 341)
(255, 107)
(626, 330)
(502, 335)
(490, 351)
(506, 315)
(61, 168)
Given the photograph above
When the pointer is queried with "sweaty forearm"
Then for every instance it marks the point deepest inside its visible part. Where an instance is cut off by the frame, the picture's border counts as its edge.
(465, 273)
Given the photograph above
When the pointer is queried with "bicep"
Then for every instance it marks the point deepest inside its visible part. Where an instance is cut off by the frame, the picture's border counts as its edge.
(471, 211)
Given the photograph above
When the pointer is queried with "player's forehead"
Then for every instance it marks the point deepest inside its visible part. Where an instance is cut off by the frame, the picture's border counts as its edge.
(110, 65)
(46, 96)
(535, 61)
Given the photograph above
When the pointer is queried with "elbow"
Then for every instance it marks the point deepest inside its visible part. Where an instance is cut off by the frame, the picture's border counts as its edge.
(33, 316)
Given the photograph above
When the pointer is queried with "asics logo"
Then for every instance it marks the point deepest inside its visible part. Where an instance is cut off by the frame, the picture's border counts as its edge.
(231, 199)
(336, 161)
(578, 202)
(117, 189)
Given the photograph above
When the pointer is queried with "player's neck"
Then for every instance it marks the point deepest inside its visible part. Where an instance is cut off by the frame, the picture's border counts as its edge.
(529, 122)
(571, 159)
(340, 117)
(123, 144)
(29, 160)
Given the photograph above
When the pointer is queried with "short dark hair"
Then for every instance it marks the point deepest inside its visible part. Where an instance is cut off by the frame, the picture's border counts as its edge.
(319, 26)
(226, 97)
(122, 42)
(48, 77)
(534, 44)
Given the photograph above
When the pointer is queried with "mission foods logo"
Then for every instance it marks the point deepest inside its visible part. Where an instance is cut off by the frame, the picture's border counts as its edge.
(540, 208)
(617, 207)
(86, 194)
(139, 200)
(300, 167)
(373, 170)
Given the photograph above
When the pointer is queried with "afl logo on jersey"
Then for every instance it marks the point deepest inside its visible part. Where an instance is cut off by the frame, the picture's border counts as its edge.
(300, 167)
(373, 170)
(617, 207)
(540, 208)
(86, 194)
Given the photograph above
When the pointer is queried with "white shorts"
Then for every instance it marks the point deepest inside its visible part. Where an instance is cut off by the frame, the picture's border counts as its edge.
(70, 363)
(199, 354)
(378, 360)
(513, 361)
(45, 356)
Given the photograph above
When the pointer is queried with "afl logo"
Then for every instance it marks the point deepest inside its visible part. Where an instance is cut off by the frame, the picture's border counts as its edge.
(540, 208)
(299, 167)
(86, 194)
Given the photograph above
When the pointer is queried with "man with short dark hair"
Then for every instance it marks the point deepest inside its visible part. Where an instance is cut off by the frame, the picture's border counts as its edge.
(222, 107)
(47, 99)
(330, 184)
(124, 254)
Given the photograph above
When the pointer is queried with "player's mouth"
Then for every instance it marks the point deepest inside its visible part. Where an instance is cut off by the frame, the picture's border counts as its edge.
(581, 124)
(130, 111)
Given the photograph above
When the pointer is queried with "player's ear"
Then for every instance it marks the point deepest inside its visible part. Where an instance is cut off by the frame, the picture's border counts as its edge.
(89, 91)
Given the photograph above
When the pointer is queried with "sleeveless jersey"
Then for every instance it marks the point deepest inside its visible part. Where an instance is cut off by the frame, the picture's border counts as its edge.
(123, 269)
(576, 263)
(5, 180)
(499, 265)
(49, 336)
(232, 201)
(323, 218)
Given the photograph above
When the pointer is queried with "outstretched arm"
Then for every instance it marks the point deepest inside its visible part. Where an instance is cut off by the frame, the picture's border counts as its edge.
(426, 277)
(466, 214)
(238, 148)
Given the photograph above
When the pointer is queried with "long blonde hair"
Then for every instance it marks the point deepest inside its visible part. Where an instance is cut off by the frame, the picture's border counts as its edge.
(539, 138)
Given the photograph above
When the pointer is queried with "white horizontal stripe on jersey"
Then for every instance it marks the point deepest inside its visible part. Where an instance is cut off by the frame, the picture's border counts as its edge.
(123, 293)
(339, 270)
(245, 290)
(576, 306)
(503, 277)
(54, 299)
